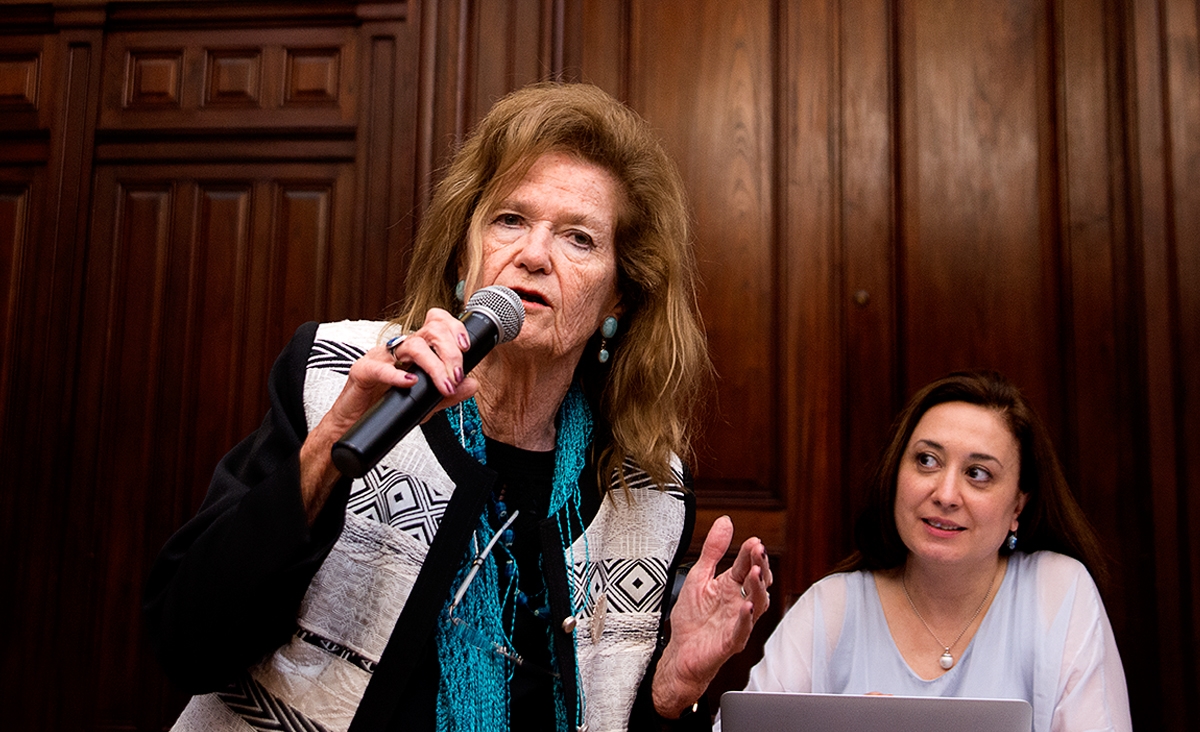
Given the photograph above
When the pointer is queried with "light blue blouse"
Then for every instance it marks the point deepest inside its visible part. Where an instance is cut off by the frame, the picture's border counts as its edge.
(1045, 638)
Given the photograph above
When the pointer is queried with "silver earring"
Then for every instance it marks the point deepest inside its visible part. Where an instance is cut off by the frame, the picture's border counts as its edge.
(1011, 541)
(607, 330)
(459, 289)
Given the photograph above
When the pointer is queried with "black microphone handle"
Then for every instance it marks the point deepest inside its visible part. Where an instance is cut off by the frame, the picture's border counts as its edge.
(400, 410)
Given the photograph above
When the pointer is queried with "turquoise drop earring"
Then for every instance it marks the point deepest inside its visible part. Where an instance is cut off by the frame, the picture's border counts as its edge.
(607, 330)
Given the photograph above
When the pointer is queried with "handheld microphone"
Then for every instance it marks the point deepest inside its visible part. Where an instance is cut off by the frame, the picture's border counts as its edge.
(493, 315)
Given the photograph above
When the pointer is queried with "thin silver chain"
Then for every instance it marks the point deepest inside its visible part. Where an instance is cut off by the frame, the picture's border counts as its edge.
(904, 584)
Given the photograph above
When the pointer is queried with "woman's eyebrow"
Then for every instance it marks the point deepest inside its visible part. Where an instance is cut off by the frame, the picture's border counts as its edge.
(985, 456)
(573, 217)
(973, 456)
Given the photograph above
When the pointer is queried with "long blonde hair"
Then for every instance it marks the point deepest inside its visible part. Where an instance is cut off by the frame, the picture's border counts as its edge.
(643, 400)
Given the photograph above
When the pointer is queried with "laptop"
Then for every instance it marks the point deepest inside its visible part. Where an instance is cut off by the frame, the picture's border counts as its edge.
(760, 711)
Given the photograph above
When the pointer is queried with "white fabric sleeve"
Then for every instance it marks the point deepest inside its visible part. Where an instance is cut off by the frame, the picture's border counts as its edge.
(1092, 696)
(787, 660)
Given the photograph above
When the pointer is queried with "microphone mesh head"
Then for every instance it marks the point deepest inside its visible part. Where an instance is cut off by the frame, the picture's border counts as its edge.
(503, 306)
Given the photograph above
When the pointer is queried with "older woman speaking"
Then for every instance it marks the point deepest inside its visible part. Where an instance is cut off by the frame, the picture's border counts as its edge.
(507, 565)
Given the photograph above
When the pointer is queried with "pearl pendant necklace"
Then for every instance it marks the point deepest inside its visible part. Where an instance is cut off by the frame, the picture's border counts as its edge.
(947, 660)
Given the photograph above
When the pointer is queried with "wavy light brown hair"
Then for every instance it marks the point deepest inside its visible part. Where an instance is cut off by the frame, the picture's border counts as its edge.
(643, 399)
(1051, 519)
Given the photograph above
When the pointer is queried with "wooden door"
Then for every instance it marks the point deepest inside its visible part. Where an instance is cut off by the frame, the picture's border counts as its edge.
(181, 186)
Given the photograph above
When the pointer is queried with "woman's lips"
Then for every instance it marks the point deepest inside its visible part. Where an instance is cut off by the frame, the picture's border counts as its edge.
(529, 296)
(938, 525)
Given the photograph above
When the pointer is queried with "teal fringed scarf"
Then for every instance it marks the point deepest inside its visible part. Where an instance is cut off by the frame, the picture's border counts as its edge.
(473, 693)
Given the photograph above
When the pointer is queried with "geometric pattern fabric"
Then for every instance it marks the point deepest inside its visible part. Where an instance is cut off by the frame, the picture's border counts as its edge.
(262, 711)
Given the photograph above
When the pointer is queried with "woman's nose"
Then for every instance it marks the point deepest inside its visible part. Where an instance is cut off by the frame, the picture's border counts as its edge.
(945, 492)
(534, 254)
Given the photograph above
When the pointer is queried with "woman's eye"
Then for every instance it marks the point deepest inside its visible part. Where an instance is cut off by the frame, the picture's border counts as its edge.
(508, 219)
(977, 473)
(580, 239)
(926, 460)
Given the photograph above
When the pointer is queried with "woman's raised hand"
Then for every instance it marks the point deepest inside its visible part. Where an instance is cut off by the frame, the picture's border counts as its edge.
(712, 618)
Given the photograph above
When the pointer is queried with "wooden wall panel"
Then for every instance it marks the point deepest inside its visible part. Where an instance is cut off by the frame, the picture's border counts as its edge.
(218, 308)
(387, 148)
(813, 386)
(882, 191)
(867, 295)
(16, 200)
(231, 79)
(36, 492)
(604, 45)
(718, 127)
(119, 427)
(20, 80)
(1157, 59)
(28, 71)
(233, 140)
(1182, 21)
(1099, 447)
(198, 277)
(973, 265)
(515, 42)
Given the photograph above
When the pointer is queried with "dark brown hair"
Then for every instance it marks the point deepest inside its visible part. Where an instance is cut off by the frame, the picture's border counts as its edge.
(1051, 519)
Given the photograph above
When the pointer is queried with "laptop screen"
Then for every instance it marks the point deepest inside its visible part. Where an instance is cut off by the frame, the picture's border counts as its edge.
(757, 711)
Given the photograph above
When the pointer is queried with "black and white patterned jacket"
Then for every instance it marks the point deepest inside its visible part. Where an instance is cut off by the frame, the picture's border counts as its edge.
(379, 560)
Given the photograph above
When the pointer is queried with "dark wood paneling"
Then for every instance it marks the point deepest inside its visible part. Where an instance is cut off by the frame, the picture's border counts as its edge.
(972, 263)
(16, 200)
(1099, 447)
(43, 537)
(867, 297)
(197, 277)
(231, 79)
(811, 363)
(140, 322)
(604, 45)
(882, 191)
(1163, 380)
(388, 149)
(19, 81)
(717, 125)
(1182, 61)
(28, 75)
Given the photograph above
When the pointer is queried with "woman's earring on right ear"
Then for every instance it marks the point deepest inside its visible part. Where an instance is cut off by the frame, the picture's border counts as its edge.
(459, 289)
(607, 330)
(1011, 541)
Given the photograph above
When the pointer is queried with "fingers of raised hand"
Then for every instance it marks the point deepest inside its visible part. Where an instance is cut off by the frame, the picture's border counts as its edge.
(754, 568)
(759, 559)
(754, 589)
(746, 557)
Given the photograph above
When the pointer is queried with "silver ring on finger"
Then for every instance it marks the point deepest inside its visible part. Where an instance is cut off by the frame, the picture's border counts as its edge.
(394, 343)
(743, 591)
